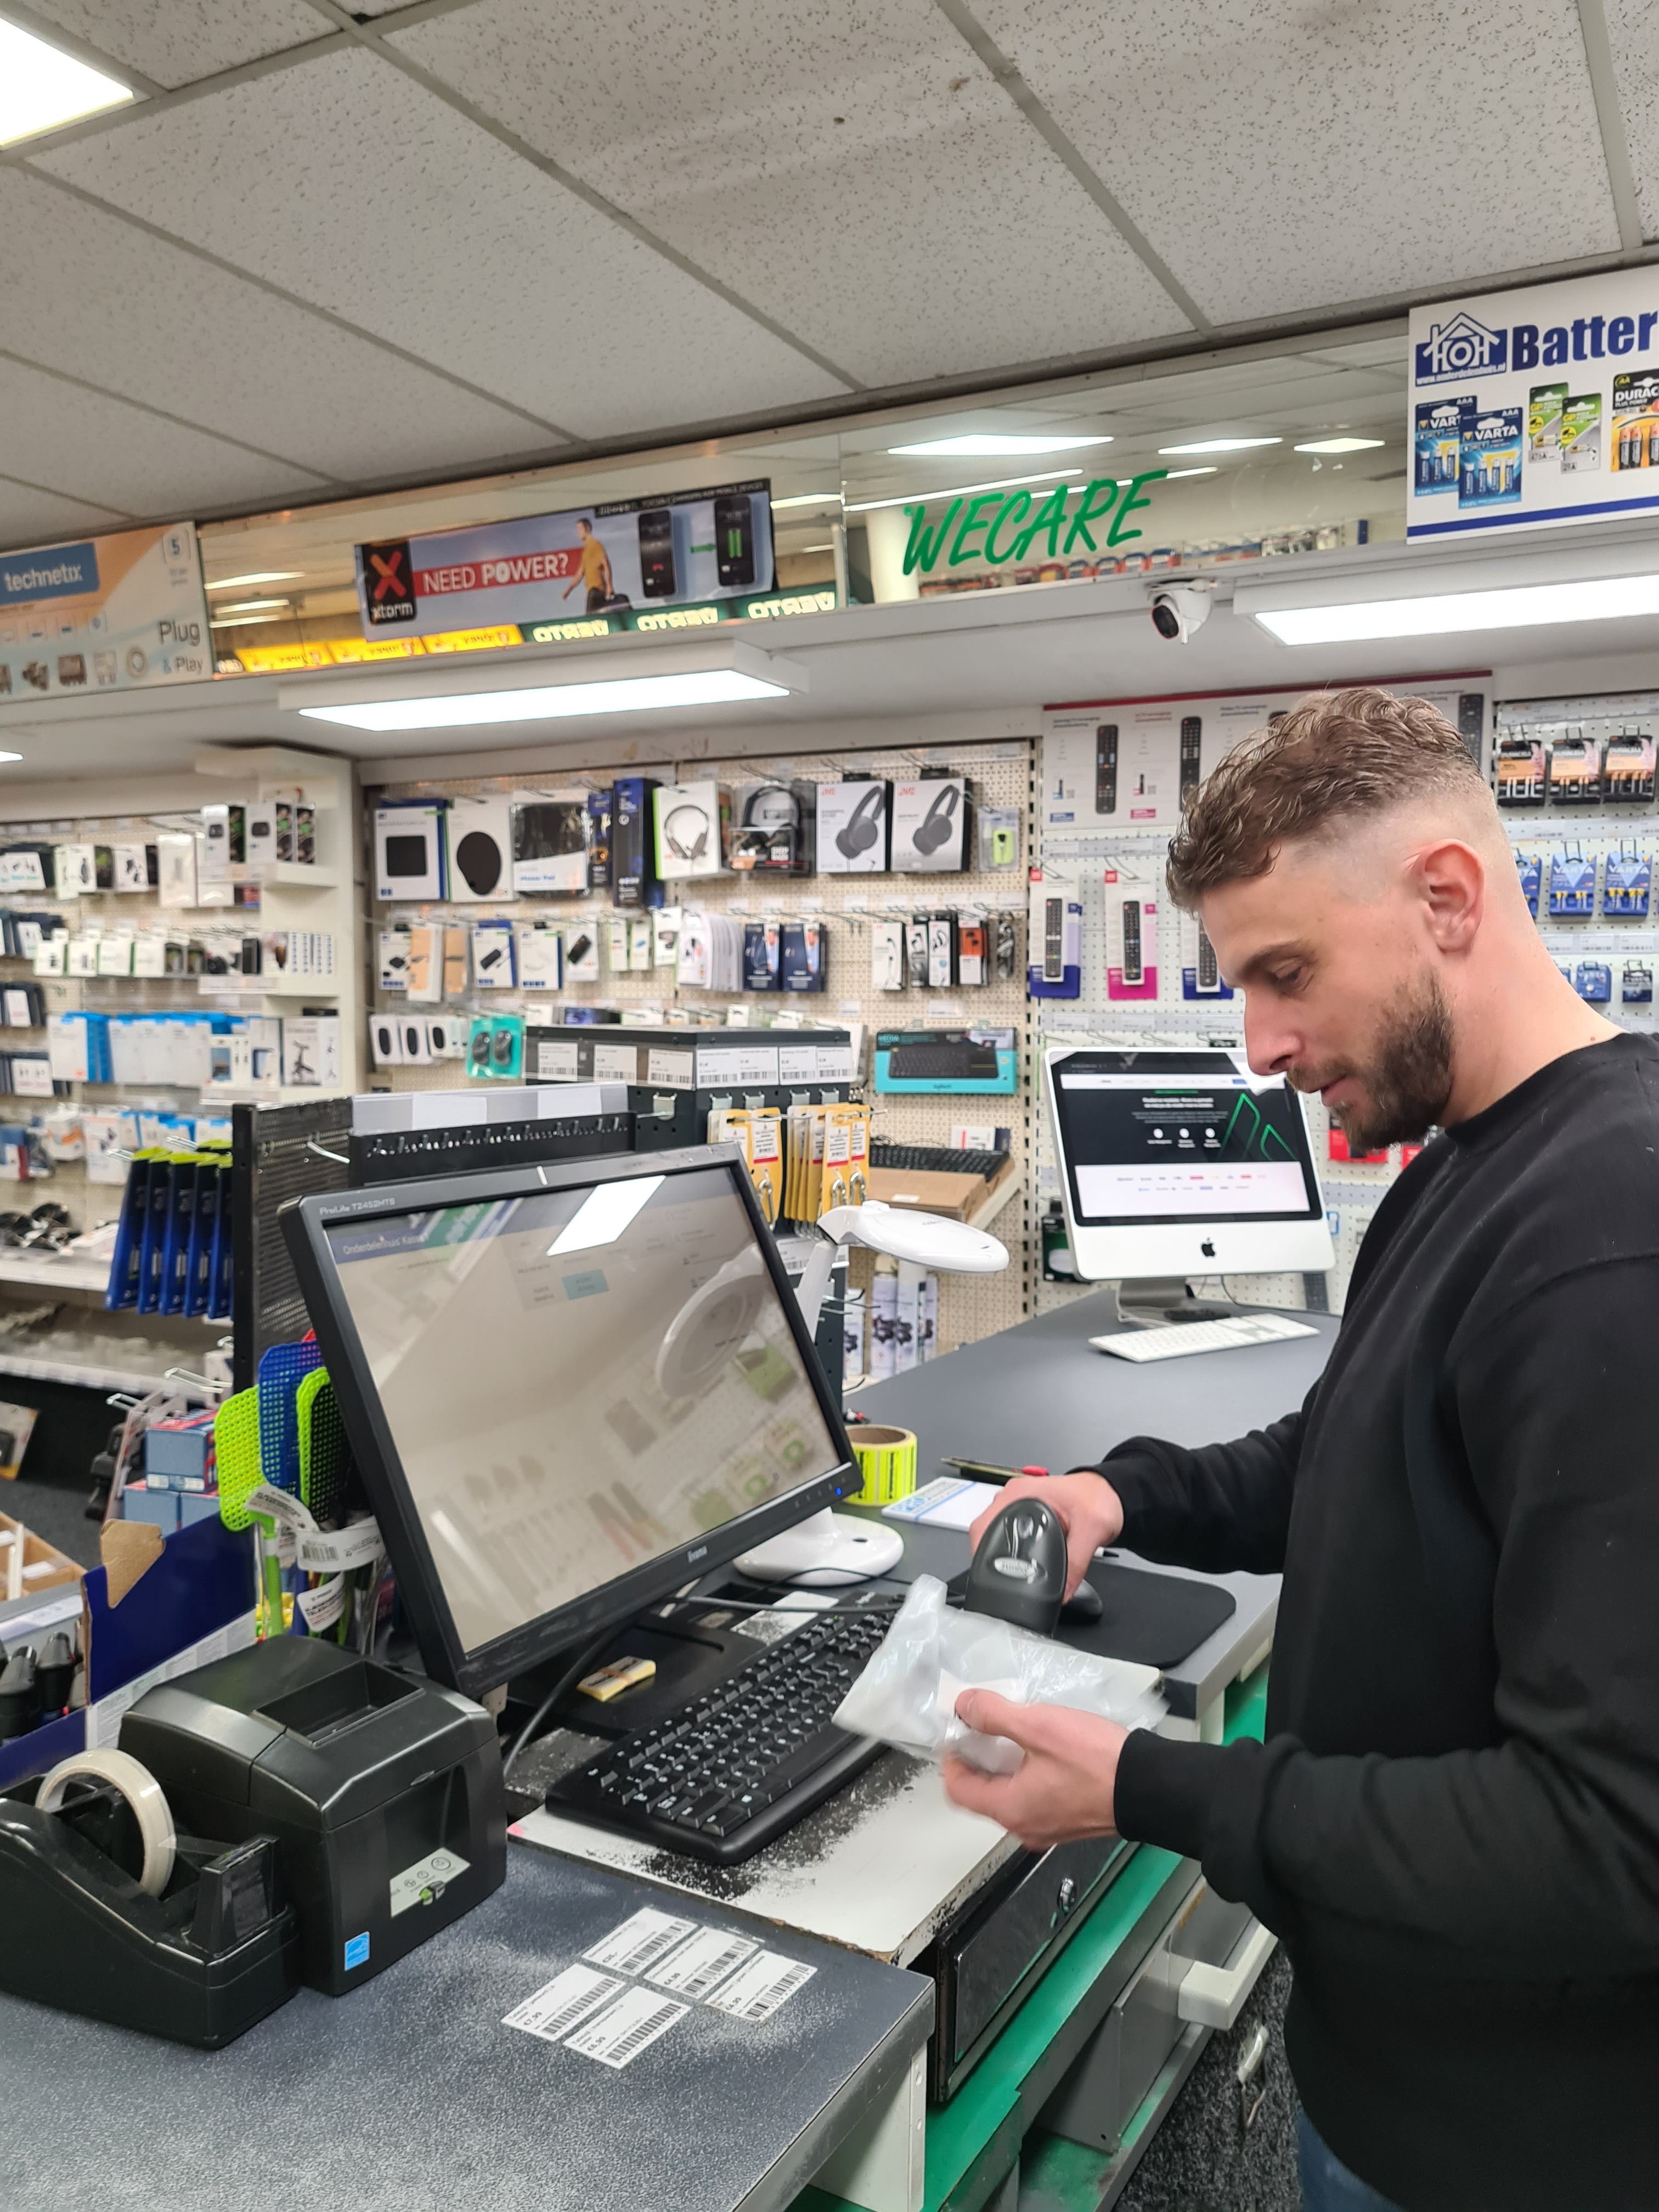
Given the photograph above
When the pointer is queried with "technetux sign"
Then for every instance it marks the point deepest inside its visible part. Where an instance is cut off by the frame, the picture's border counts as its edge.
(1461, 348)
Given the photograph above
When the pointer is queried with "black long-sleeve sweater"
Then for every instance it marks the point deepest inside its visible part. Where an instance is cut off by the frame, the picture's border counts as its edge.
(1454, 1820)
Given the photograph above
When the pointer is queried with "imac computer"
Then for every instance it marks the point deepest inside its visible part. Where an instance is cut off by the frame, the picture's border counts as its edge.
(570, 1389)
(1174, 1163)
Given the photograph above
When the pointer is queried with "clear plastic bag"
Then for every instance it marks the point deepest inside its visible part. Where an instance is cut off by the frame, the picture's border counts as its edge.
(906, 1695)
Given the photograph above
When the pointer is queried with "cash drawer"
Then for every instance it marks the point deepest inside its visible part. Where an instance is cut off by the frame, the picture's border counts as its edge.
(987, 1960)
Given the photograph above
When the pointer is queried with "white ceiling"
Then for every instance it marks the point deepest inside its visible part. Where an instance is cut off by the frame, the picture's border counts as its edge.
(325, 250)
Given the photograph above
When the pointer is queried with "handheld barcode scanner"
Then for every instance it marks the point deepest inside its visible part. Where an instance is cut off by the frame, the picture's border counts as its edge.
(1018, 1570)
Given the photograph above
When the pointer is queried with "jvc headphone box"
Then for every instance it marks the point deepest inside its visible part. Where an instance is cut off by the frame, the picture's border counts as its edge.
(930, 826)
(852, 826)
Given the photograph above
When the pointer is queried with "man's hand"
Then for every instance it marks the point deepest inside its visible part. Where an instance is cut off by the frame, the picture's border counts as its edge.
(1066, 1787)
(1089, 1511)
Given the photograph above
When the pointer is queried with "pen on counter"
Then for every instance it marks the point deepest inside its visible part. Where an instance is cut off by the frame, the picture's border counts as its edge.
(982, 1472)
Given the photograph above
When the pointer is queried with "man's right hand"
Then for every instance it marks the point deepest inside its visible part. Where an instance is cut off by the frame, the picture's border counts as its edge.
(1089, 1511)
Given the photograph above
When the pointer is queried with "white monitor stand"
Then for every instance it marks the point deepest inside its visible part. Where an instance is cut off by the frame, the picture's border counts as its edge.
(831, 1549)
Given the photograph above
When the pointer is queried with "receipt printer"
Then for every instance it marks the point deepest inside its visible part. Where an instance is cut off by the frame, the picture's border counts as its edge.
(384, 1792)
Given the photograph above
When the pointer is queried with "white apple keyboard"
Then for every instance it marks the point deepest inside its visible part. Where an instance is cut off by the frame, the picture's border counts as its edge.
(1176, 1338)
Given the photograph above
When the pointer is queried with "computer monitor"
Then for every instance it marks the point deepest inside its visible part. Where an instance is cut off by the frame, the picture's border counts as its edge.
(1182, 1163)
(570, 1389)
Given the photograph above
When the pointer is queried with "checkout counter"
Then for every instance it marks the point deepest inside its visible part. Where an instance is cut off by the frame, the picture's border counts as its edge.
(409, 2093)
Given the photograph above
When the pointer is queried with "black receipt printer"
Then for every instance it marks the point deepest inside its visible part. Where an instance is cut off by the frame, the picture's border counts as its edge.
(383, 1791)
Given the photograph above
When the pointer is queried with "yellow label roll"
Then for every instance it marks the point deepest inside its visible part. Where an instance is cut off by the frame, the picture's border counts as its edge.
(887, 1460)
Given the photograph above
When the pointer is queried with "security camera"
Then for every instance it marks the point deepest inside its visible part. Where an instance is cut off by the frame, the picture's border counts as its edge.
(1179, 608)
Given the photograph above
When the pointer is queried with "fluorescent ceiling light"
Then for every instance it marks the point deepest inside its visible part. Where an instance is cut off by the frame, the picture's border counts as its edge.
(628, 695)
(1338, 445)
(1220, 445)
(1172, 476)
(998, 441)
(241, 622)
(827, 546)
(604, 1214)
(10, 756)
(1438, 613)
(259, 576)
(247, 606)
(42, 86)
(957, 491)
(808, 499)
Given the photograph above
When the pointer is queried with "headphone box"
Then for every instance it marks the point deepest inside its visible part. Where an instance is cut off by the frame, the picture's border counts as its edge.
(852, 826)
(692, 823)
(772, 834)
(930, 826)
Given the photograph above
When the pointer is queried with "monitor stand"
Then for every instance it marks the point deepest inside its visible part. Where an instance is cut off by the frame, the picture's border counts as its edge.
(826, 1552)
(1156, 1301)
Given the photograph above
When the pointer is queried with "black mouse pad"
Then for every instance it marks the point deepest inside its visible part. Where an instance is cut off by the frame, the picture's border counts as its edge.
(1148, 1618)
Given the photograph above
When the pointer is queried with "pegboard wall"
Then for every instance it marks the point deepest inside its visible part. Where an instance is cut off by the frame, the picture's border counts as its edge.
(1582, 943)
(1000, 776)
(1560, 835)
(105, 913)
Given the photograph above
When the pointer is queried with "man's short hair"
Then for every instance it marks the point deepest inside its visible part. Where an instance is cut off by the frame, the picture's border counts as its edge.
(1334, 758)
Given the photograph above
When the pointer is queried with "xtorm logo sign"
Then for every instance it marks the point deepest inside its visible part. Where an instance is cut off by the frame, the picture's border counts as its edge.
(1462, 347)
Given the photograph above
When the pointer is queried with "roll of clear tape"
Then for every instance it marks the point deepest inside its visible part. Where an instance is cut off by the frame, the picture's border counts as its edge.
(142, 1793)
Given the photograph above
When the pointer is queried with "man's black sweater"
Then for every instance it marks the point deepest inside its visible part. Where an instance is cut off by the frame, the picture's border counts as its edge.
(1454, 1822)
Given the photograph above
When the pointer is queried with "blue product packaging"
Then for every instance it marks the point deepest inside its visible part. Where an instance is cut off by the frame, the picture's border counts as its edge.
(1490, 458)
(1626, 884)
(1572, 883)
(1530, 866)
(1438, 443)
(1594, 982)
(762, 968)
(802, 955)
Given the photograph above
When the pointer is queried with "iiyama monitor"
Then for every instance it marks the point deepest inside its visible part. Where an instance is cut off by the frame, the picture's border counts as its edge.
(1182, 1163)
(570, 1389)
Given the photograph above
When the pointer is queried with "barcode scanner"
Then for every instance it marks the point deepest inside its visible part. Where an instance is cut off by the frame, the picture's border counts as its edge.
(1018, 1570)
(938, 824)
(863, 826)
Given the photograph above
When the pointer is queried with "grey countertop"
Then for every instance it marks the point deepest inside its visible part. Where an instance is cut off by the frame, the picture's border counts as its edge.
(410, 2093)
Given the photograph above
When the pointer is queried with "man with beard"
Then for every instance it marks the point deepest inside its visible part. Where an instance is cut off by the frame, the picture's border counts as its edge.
(1454, 1820)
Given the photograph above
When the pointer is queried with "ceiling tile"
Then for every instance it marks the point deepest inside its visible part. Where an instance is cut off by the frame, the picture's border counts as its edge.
(1636, 65)
(1283, 156)
(90, 448)
(89, 295)
(29, 516)
(177, 41)
(345, 182)
(845, 164)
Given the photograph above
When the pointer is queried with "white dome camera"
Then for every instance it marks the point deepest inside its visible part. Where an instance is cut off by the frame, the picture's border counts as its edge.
(1178, 609)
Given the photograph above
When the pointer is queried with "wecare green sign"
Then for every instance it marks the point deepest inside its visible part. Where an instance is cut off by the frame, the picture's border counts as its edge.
(995, 525)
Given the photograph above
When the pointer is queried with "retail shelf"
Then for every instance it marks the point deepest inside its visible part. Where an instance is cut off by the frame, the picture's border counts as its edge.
(268, 987)
(54, 1271)
(89, 1376)
(287, 875)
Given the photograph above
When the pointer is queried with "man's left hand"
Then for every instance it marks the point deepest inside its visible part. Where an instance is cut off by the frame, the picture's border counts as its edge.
(1067, 1784)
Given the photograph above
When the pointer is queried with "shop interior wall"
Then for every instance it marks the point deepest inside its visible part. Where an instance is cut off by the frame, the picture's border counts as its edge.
(1001, 773)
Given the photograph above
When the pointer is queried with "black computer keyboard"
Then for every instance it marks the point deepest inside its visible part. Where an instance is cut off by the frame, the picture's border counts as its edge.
(933, 1159)
(731, 1770)
(942, 1063)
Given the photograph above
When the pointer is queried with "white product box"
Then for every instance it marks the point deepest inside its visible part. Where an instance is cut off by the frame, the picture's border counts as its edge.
(691, 821)
(853, 823)
(930, 826)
